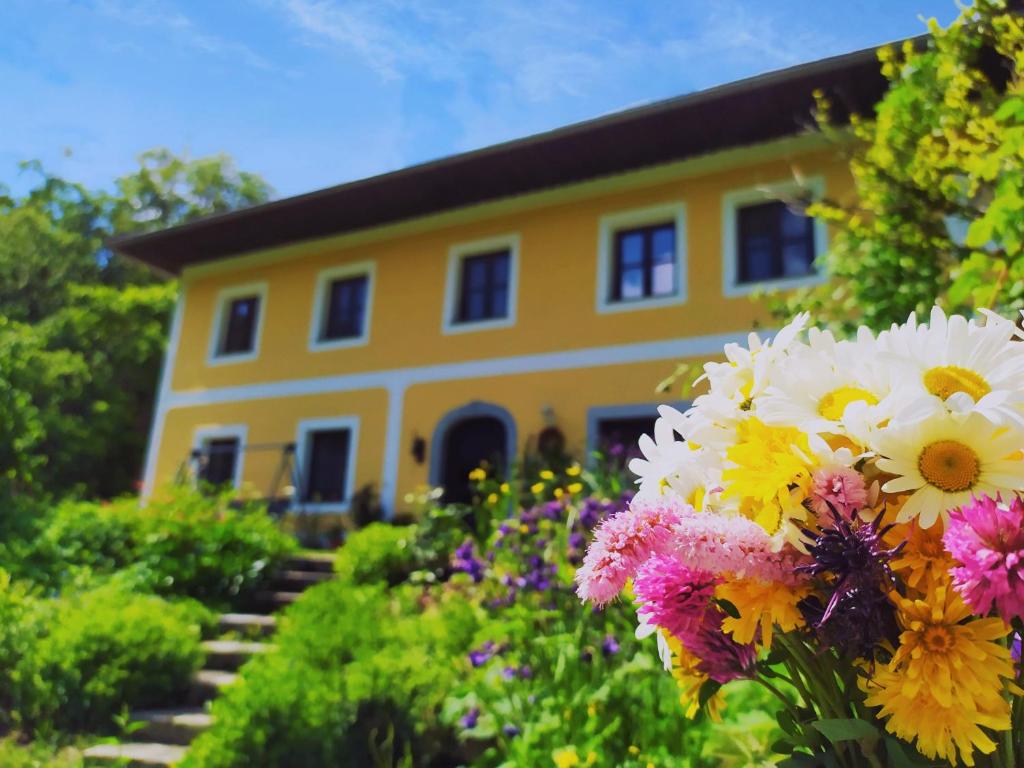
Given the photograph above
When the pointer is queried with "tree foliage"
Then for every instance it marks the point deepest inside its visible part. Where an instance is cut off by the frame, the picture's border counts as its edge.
(82, 329)
(939, 177)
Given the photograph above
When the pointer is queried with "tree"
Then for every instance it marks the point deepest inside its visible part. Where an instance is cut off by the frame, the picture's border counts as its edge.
(82, 330)
(939, 176)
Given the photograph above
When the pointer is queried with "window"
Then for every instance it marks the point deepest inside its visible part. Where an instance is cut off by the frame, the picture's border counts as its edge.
(645, 261)
(237, 324)
(765, 243)
(327, 465)
(483, 288)
(614, 430)
(218, 461)
(773, 243)
(342, 306)
(641, 259)
(217, 454)
(482, 282)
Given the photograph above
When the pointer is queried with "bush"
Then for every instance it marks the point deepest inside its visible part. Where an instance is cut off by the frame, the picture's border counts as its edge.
(37, 755)
(185, 543)
(378, 552)
(358, 678)
(96, 653)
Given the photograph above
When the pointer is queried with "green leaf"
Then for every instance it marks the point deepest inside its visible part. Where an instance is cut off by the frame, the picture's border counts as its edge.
(707, 690)
(729, 608)
(850, 729)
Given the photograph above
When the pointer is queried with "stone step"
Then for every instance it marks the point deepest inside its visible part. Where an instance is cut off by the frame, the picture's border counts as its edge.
(311, 561)
(229, 655)
(296, 581)
(206, 684)
(248, 624)
(135, 754)
(172, 726)
(275, 601)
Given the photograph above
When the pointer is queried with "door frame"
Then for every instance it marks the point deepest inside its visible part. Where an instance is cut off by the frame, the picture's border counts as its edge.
(473, 410)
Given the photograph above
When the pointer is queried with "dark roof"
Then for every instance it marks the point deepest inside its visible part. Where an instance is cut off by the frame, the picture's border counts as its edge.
(746, 112)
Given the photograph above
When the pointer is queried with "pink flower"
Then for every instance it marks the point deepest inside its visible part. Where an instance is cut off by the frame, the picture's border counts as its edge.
(721, 658)
(987, 537)
(841, 487)
(731, 544)
(623, 542)
(672, 596)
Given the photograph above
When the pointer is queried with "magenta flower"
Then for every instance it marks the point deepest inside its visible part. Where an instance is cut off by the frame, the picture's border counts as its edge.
(672, 596)
(720, 657)
(987, 537)
(842, 488)
(735, 545)
(623, 542)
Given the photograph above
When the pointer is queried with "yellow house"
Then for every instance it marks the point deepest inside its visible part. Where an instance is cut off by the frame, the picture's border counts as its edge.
(394, 331)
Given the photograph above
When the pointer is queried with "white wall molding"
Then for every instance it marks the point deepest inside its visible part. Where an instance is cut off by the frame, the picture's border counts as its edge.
(156, 429)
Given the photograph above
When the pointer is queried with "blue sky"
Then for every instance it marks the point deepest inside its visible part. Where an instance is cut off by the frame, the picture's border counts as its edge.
(311, 93)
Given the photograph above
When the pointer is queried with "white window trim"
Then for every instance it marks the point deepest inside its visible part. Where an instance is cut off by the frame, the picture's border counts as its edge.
(225, 297)
(203, 435)
(734, 200)
(456, 255)
(640, 217)
(303, 450)
(320, 306)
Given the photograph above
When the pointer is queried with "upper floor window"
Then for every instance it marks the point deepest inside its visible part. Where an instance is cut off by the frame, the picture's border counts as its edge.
(642, 259)
(766, 242)
(482, 280)
(773, 242)
(645, 262)
(237, 324)
(327, 464)
(341, 308)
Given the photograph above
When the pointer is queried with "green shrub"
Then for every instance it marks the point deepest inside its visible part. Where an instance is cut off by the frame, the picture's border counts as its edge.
(99, 652)
(14, 754)
(18, 635)
(186, 543)
(286, 714)
(378, 552)
(359, 677)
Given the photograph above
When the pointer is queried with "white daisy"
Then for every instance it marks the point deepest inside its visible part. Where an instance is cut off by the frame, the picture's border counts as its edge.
(946, 459)
(662, 456)
(966, 365)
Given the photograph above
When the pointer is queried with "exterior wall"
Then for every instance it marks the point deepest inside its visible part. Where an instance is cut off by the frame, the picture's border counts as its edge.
(562, 352)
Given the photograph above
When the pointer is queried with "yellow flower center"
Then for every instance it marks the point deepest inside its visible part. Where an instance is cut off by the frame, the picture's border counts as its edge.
(832, 405)
(947, 380)
(937, 640)
(949, 466)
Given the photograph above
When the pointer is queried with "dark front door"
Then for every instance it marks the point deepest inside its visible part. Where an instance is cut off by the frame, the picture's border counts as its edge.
(468, 444)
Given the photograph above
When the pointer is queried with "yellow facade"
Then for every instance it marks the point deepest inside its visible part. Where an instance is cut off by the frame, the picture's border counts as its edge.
(562, 356)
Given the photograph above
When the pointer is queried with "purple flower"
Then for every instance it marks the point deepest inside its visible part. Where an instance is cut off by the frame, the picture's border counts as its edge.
(610, 646)
(510, 730)
(553, 510)
(480, 656)
(586, 656)
(509, 673)
(464, 561)
(1015, 650)
(525, 673)
(469, 720)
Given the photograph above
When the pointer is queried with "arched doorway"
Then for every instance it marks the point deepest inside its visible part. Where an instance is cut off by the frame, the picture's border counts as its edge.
(464, 439)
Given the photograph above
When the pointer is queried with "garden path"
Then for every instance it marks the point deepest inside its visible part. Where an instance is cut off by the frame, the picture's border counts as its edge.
(165, 734)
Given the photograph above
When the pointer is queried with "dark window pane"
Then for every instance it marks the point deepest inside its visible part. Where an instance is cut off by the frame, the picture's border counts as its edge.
(645, 261)
(773, 242)
(346, 308)
(664, 245)
(218, 460)
(240, 327)
(328, 464)
(617, 438)
(483, 287)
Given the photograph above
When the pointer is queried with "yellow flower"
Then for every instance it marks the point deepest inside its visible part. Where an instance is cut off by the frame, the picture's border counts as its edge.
(767, 461)
(574, 487)
(478, 474)
(492, 498)
(503, 488)
(591, 709)
(573, 471)
(924, 562)
(946, 679)
(547, 474)
(634, 749)
(524, 529)
(566, 757)
(559, 493)
(591, 758)
(762, 605)
(537, 488)
(690, 679)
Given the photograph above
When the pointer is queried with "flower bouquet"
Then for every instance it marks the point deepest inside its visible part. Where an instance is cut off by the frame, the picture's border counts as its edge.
(841, 521)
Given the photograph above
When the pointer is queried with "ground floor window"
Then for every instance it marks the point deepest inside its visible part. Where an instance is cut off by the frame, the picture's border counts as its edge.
(614, 431)
(325, 463)
(217, 455)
